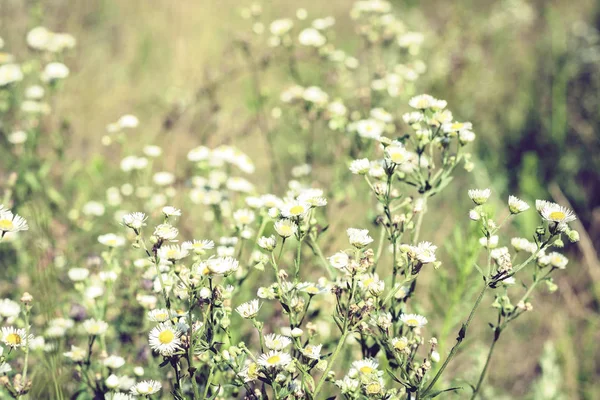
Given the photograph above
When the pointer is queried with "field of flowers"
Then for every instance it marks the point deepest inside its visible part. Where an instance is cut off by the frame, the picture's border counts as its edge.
(352, 200)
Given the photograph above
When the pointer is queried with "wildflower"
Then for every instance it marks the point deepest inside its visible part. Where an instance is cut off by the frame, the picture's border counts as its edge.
(134, 220)
(114, 362)
(158, 315)
(359, 238)
(170, 211)
(552, 212)
(479, 196)
(516, 205)
(54, 71)
(95, 327)
(424, 252)
(400, 344)
(243, 217)
(15, 338)
(280, 27)
(370, 128)
(522, 244)
(557, 260)
(198, 246)
(17, 137)
(490, 243)
(9, 309)
(166, 232)
(286, 228)
(164, 178)
(10, 222)
(10, 73)
(312, 352)
(366, 366)
(413, 320)
(76, 354)
(422, 102)
(78, 274)
(172, 252)
(396, 153)
(360, 167)
(146, 388)
(111, 240)
(274, 359)
(312, 289)
(274, 341)
(224, 266)
(312, 38)
(164, 339)
(315, 95)
(295, 209)
(249, 309)
(339, 260)
(267, 243)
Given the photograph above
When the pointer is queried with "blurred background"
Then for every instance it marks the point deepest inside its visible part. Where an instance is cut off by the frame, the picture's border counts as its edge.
(525, 73)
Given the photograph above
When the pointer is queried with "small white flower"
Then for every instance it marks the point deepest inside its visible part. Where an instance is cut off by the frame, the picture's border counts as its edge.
(146, 388)
(552, 212)
(339, 260)
(360, 167)
(280, 27)
(359, 238)
(114, 362)
(267, 243)
(111, 240)
(367, 366)
(10, 222)
(424, 252)
(243, 217)
(422, 102)
(516, 205)
(396, 153)
(172, 252)
(490, 243)
(274, 359)
(224, 266)
(413, 320)
(165, 339)
(166, 232)
(170, 211)
(95, 327)
(480, 196)
(15, 338)
(312, 352)
(286, 228)
(134, 220)
(370, 128)
(54, 71)
(274, 341)
(249, 309)
(311, 37)
(557, 260)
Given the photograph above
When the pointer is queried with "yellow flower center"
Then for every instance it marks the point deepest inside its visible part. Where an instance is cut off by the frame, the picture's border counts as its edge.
(285, 230)
(295, 210)
(13, 339)
(312, 290)
(373, 388)
(6, 225)
(166, 337)
(162, 316)
(366, 369)
(557, 215)
(274, 359)
(400, 345)
(412, 322)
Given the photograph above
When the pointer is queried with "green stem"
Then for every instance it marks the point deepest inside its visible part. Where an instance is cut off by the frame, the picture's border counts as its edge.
(487, 363)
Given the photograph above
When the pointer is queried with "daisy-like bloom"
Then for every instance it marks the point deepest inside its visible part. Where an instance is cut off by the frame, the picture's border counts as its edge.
(280, 27)
(170, 211)
(339, 260)
(360, 167)
(146, 388)
(315, 95)
(552, 212)
(9, 309)
(370, 128)
(249, 309)
(267, 243)
(359, 238)
(502, 257)
(557, 260)
(374, 386)
(366, 366)
(274, 359)
(274, 341)
(10, 222)
(95, 327)
(480, 196)
(198, 246)
(413, 320)
(424, 252)
(381, 115)
(286, 228)
(516, 205)
(422, 102)
(164, 339)
(172, 252)
(396, 153)
(400, 344)
(312, 288)
(312, 352)
(243, 217)
(135, 220)
(111, 240)
(78, 274)
(114, 362)
(466, 136)
(224, 266)
(15, 338)
(158, 315)
(295, 209)
(76, 354)
(311, 37)
(166, 232)
(54, 71)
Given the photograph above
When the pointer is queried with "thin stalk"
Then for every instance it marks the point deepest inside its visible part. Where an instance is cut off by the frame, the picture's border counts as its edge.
(487, 363)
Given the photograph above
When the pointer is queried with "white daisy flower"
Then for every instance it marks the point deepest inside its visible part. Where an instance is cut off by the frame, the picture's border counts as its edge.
(198, 246)
(557, 260)
(280, 27)
(10, 222)
(172, 252)
(286, 228)
(267, 243)
(113, 362)
(422, 102)
(274, 359)
(170, 211)
(490, 243)
(424, 252)
(396, 153)
(413, 320)
(135, 220)
(158, 315)
(516, 205)
(311, 37)
(367, 366)
(15, 338)
(146, 388)
(224, 266)
(165, 339)
(480, 196)
(370, 128)
(360, 167)
(76, 354)
(400, 344)
(54, 71)
(552, 212)
(9, 309)
(359, 238)
(166, 232)
(95, 327)
(312, 351)
(295, 209)
(274, 341)
(163, 178)
(339, 260)
(243, 217)
(111, 240)
(249, 309)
